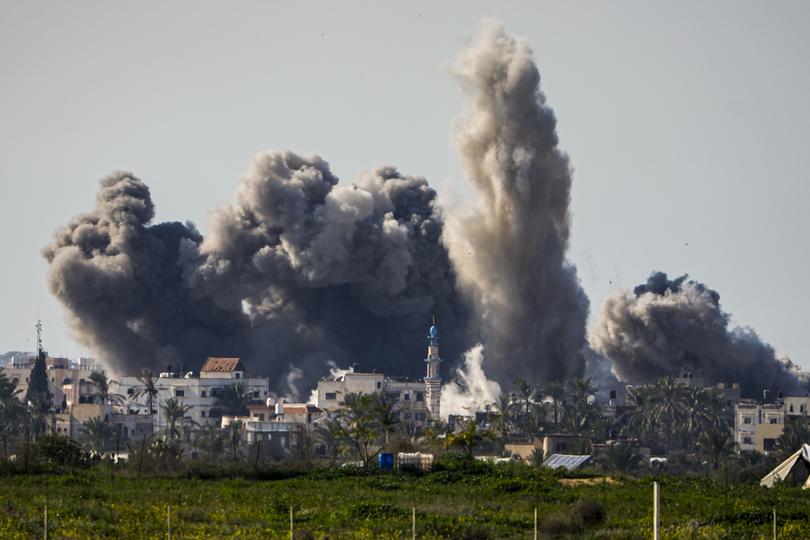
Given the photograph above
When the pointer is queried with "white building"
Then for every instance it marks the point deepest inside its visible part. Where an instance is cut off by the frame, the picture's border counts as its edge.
(417, 402)
(199, 391)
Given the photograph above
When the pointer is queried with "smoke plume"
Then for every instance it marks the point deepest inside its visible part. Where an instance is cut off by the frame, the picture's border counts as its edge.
(509, 248)
(671, 327)
(297, 272)
(470, 389)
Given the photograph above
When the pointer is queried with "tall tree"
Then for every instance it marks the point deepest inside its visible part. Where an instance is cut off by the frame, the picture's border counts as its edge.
(175, 414)
(102, 394)
(148, 389)
(234, 400)
(360, 430)
(97, 433)
(384, 414)
(554, 393)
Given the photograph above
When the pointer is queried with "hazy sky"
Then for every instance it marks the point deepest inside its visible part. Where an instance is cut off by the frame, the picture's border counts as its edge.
(687, 124)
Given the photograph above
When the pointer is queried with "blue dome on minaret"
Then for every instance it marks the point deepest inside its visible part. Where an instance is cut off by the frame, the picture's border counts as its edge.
(434, 331)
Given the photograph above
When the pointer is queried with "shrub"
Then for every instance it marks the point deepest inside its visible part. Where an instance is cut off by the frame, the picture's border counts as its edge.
(587, 513)
(61, 450)
(559, 525)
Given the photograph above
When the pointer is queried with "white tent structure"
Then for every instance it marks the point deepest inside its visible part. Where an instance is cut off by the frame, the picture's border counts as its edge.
(795, 470)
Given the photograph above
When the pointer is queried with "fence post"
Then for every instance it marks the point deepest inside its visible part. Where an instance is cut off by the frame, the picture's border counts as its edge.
(656, 510)
(535, 523)
(169, 520)
(413, 523)
(292, 530)
(774, 523)
(46, 521)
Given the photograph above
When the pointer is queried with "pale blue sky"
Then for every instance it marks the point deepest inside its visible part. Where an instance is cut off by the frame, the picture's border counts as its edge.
(687, 123)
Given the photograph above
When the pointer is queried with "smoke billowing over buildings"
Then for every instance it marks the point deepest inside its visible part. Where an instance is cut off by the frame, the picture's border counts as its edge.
(302, 273)
(670, 327)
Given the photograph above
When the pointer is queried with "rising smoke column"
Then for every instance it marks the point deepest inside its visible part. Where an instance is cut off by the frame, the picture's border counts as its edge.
(509, 248)
(121, 283)
(670, 327)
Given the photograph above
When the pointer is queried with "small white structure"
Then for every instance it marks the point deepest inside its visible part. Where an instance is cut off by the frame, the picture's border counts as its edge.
(794, 470)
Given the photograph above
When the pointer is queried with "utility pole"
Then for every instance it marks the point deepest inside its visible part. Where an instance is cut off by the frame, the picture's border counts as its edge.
(656, 510)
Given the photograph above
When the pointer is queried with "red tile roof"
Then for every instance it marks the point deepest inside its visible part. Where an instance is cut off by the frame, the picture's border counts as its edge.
(222, 364)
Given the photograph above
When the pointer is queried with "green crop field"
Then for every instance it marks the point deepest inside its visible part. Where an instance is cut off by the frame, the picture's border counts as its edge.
(474, 502)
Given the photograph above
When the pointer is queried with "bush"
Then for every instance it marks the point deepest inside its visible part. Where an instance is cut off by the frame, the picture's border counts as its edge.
(559, 525)
(61, 450)
(587, 513)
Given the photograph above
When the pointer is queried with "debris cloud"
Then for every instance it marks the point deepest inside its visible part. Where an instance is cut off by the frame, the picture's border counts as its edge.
(671, 327)
(509, 247)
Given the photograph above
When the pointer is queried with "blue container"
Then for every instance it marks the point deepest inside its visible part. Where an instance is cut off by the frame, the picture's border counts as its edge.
(386, 461)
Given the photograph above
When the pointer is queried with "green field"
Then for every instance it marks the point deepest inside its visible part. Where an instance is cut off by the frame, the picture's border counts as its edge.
(474, 503)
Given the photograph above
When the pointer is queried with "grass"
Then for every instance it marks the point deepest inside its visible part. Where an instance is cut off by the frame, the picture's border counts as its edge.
(489, 502)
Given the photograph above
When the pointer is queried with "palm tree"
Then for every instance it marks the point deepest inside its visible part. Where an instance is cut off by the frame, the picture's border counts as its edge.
(98, 432)
(384, 414)
(469, 437)
(503, 407)
(621, 458)
(581, 390)
(327, 431)
(175, 413)
(12, 412)
(234, 400)
(149, 389)
(715, 445)
(554, 392)
(667, 407)
(102, 394)
(235, 436)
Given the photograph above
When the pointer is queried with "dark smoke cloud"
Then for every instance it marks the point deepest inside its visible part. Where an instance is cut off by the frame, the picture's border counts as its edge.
(119, 278)
(299, 271)
(670, 327)
(509, 248)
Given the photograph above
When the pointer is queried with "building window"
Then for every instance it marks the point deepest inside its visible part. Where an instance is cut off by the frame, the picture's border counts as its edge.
(406, 416)
(179, 393)
(330, 396)
(203, 393)
(256, 394)
(406, 396)
(130, 391)
(747, 419)
(791, 407)
(768, 444)
(238, 375)
(801, 407)
(379, 385)
(773, 420)
(748, 440)
(202, 413)
(215, 392)
(420, 396)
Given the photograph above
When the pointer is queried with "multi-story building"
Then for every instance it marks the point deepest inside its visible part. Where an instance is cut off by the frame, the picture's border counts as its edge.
(757, 426)
(417, 402)
(200, 391)
(66, 378)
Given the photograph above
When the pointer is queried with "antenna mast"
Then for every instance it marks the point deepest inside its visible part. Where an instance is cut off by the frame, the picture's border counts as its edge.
(39, 336)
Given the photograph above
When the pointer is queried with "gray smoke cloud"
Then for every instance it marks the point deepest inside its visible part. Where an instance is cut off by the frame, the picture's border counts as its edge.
(120, 281)
(298, 272)
(509, 248)
(670, 327)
